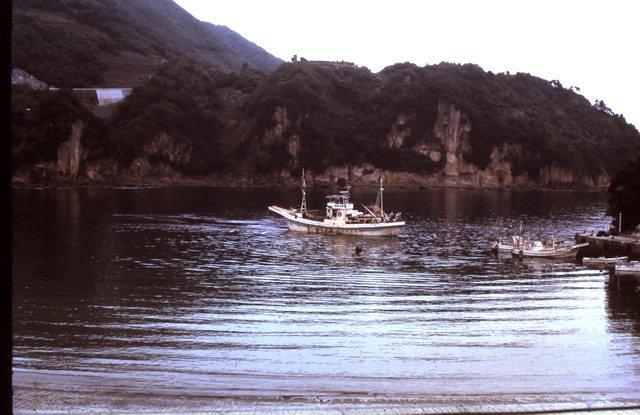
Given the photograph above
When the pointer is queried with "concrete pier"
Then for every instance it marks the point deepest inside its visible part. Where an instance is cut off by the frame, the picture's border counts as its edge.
(618, 245)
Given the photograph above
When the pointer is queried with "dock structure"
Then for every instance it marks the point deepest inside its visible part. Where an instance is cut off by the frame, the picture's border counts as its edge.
(612, 245)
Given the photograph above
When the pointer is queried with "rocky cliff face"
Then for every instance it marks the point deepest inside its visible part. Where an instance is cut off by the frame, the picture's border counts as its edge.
(66, 166)
(450, 145)
(281, 133)
(70, 152)
(452, 129)
(160, 159)
(399, 131)
(159, 162)
(282, 123)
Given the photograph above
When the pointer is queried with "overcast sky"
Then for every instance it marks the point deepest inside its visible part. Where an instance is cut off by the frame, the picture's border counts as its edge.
(590, 44)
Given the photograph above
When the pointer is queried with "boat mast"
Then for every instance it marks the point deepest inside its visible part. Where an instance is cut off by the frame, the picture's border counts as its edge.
(520, 236)
(347, 189)
(620, 223)
(381, 201)
(303, 204)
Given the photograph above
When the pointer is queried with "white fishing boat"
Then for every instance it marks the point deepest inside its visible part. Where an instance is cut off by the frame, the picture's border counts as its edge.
(341, 218)
(554, 249)
(629, 269)
(603, 261)
(502, 247)
(506, 246)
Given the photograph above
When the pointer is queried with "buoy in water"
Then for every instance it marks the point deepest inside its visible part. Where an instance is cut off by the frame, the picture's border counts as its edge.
(358, 249)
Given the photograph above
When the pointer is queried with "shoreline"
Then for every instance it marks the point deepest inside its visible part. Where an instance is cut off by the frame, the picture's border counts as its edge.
(54, 391)
(112, 175)
(271, 184)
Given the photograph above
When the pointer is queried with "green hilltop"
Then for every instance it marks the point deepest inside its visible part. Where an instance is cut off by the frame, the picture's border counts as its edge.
(76, 43)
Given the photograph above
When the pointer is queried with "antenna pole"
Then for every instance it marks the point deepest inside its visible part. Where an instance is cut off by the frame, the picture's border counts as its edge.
(303, 204)
(381, 196)
(620, 223)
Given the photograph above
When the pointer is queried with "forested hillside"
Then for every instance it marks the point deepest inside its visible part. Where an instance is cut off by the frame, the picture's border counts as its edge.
(75, 43)
(208, 103)
(456, 121)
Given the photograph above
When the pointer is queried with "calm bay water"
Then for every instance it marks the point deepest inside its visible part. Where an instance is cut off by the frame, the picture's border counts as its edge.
(189, 298)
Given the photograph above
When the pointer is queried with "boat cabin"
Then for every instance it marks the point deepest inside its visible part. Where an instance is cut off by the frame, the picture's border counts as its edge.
(339, 207)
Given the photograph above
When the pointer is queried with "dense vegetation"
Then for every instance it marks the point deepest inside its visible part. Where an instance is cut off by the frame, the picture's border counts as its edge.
(41, 120)
(345, 115)
(550, 122)
(182, 100)
(342, 115)
(179, 100)
(74, 43)
(624, 195)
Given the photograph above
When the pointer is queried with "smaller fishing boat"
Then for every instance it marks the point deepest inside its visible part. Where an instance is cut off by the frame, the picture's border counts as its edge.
(629, 269)
(601, 262)
(502, 245)
(552, 249)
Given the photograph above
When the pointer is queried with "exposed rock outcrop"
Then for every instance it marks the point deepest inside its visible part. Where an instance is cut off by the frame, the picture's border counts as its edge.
(102, 170)
(451, 141)
(293, 147)
(279, 134)
(399, 131)
(452, 128)
(66, 167)
(282, 124)
(160, 159)
(70, 152)
(451, 145)
(496, 177)
(168, 149)
(142, 169)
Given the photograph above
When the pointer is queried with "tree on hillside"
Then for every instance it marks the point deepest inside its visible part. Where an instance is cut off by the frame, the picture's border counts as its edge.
(555, 83)
(180, 101)
(601, 106)
(41, 120)
(624, 196)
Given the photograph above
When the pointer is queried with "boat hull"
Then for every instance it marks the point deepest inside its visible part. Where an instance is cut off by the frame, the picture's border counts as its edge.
(628, 270)
(502, 248)
(356, 229)
(548, 253)
(603, 262)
